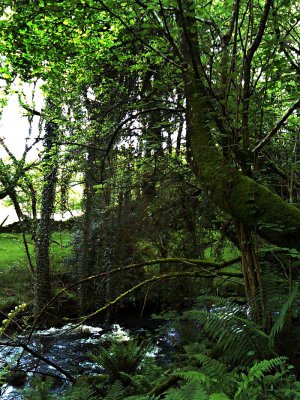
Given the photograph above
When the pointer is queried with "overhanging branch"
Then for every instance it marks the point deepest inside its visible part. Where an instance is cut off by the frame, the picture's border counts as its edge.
(213, 266)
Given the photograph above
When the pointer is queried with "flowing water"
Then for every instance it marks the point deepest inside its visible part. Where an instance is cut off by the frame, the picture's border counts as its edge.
(68, 347)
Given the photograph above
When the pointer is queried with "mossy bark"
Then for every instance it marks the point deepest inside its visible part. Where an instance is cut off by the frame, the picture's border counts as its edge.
(43, 289)
(88, 258)
(247, 201)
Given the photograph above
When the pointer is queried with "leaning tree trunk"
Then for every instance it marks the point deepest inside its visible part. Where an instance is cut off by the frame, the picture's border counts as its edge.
(247, 201)
(43, 280)
(254, 207)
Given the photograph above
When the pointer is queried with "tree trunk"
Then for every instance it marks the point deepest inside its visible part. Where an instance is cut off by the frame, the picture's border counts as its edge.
(252, 275)
(253, 207)
(87, 264)
(43, 280)
(252, 204)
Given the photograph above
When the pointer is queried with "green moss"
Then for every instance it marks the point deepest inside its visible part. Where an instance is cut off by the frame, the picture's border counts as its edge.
(243, 198)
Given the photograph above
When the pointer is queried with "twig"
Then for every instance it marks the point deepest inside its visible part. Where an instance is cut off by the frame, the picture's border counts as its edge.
(276, 128)
(40, 357)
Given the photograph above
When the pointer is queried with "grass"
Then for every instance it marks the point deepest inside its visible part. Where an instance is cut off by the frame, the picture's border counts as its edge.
(15, 278)
(12, 252)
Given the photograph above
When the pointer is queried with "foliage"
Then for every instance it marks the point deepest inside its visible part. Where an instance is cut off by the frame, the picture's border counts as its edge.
(165, 110)
(268, 379)
(11, 317)
(81, 392)
(122, 358)
(40, 390)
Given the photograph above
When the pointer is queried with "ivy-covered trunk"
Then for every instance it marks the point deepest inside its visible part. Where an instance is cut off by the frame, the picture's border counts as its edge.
(88, 256)
(43, 279)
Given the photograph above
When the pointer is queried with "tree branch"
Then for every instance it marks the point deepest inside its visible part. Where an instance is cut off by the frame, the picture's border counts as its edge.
(189, 262)
(153, 280)
(39, 356)
(247, 71)
(276, 128)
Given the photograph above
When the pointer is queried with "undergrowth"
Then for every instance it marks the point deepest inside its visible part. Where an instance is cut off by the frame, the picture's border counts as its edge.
(224, 356)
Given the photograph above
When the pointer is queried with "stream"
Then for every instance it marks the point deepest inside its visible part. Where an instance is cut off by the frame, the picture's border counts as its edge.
(68, 347)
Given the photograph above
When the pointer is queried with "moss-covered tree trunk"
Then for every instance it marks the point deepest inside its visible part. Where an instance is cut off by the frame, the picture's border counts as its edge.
(43, 279)
(252, 274)
(247, 201)
(254, 207)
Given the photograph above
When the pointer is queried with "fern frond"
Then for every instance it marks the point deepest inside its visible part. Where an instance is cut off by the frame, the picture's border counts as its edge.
(190, 375)
(121, 357)
(193, 390)
(210, 366)
(261, 368)
(280, 321)
(218, 396)
(115, 392)
(82, 392)
(256, 373)
(140, 397)
(236, 335)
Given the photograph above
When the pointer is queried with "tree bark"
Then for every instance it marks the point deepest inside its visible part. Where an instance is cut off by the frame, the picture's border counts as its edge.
(87, 264)
(247, 201)
(252, 204)
(43, 280)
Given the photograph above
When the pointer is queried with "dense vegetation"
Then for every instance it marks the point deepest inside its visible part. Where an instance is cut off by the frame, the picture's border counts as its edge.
(180, 121)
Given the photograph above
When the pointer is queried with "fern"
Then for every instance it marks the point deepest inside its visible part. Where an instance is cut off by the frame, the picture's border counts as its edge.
(232, 330)
(141, 397)
(218, 396)
(121, 357)
(82, 392)
(210, 366)
(190, 375)
(280, 321)
(256, 373)
(116, 392)
(40, 390)
(192, 390)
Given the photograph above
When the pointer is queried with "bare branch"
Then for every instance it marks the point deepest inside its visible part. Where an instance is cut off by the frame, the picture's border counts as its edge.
(276, 128)
(39, 356)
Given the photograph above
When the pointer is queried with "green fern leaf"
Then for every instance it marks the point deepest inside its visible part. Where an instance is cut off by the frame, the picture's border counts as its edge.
(82, 392)
(280, 321)
(191, 375)
(210, 366)
(193, 390)
(116, 392)
(256, 373)
(232, 330)
(218, 396)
